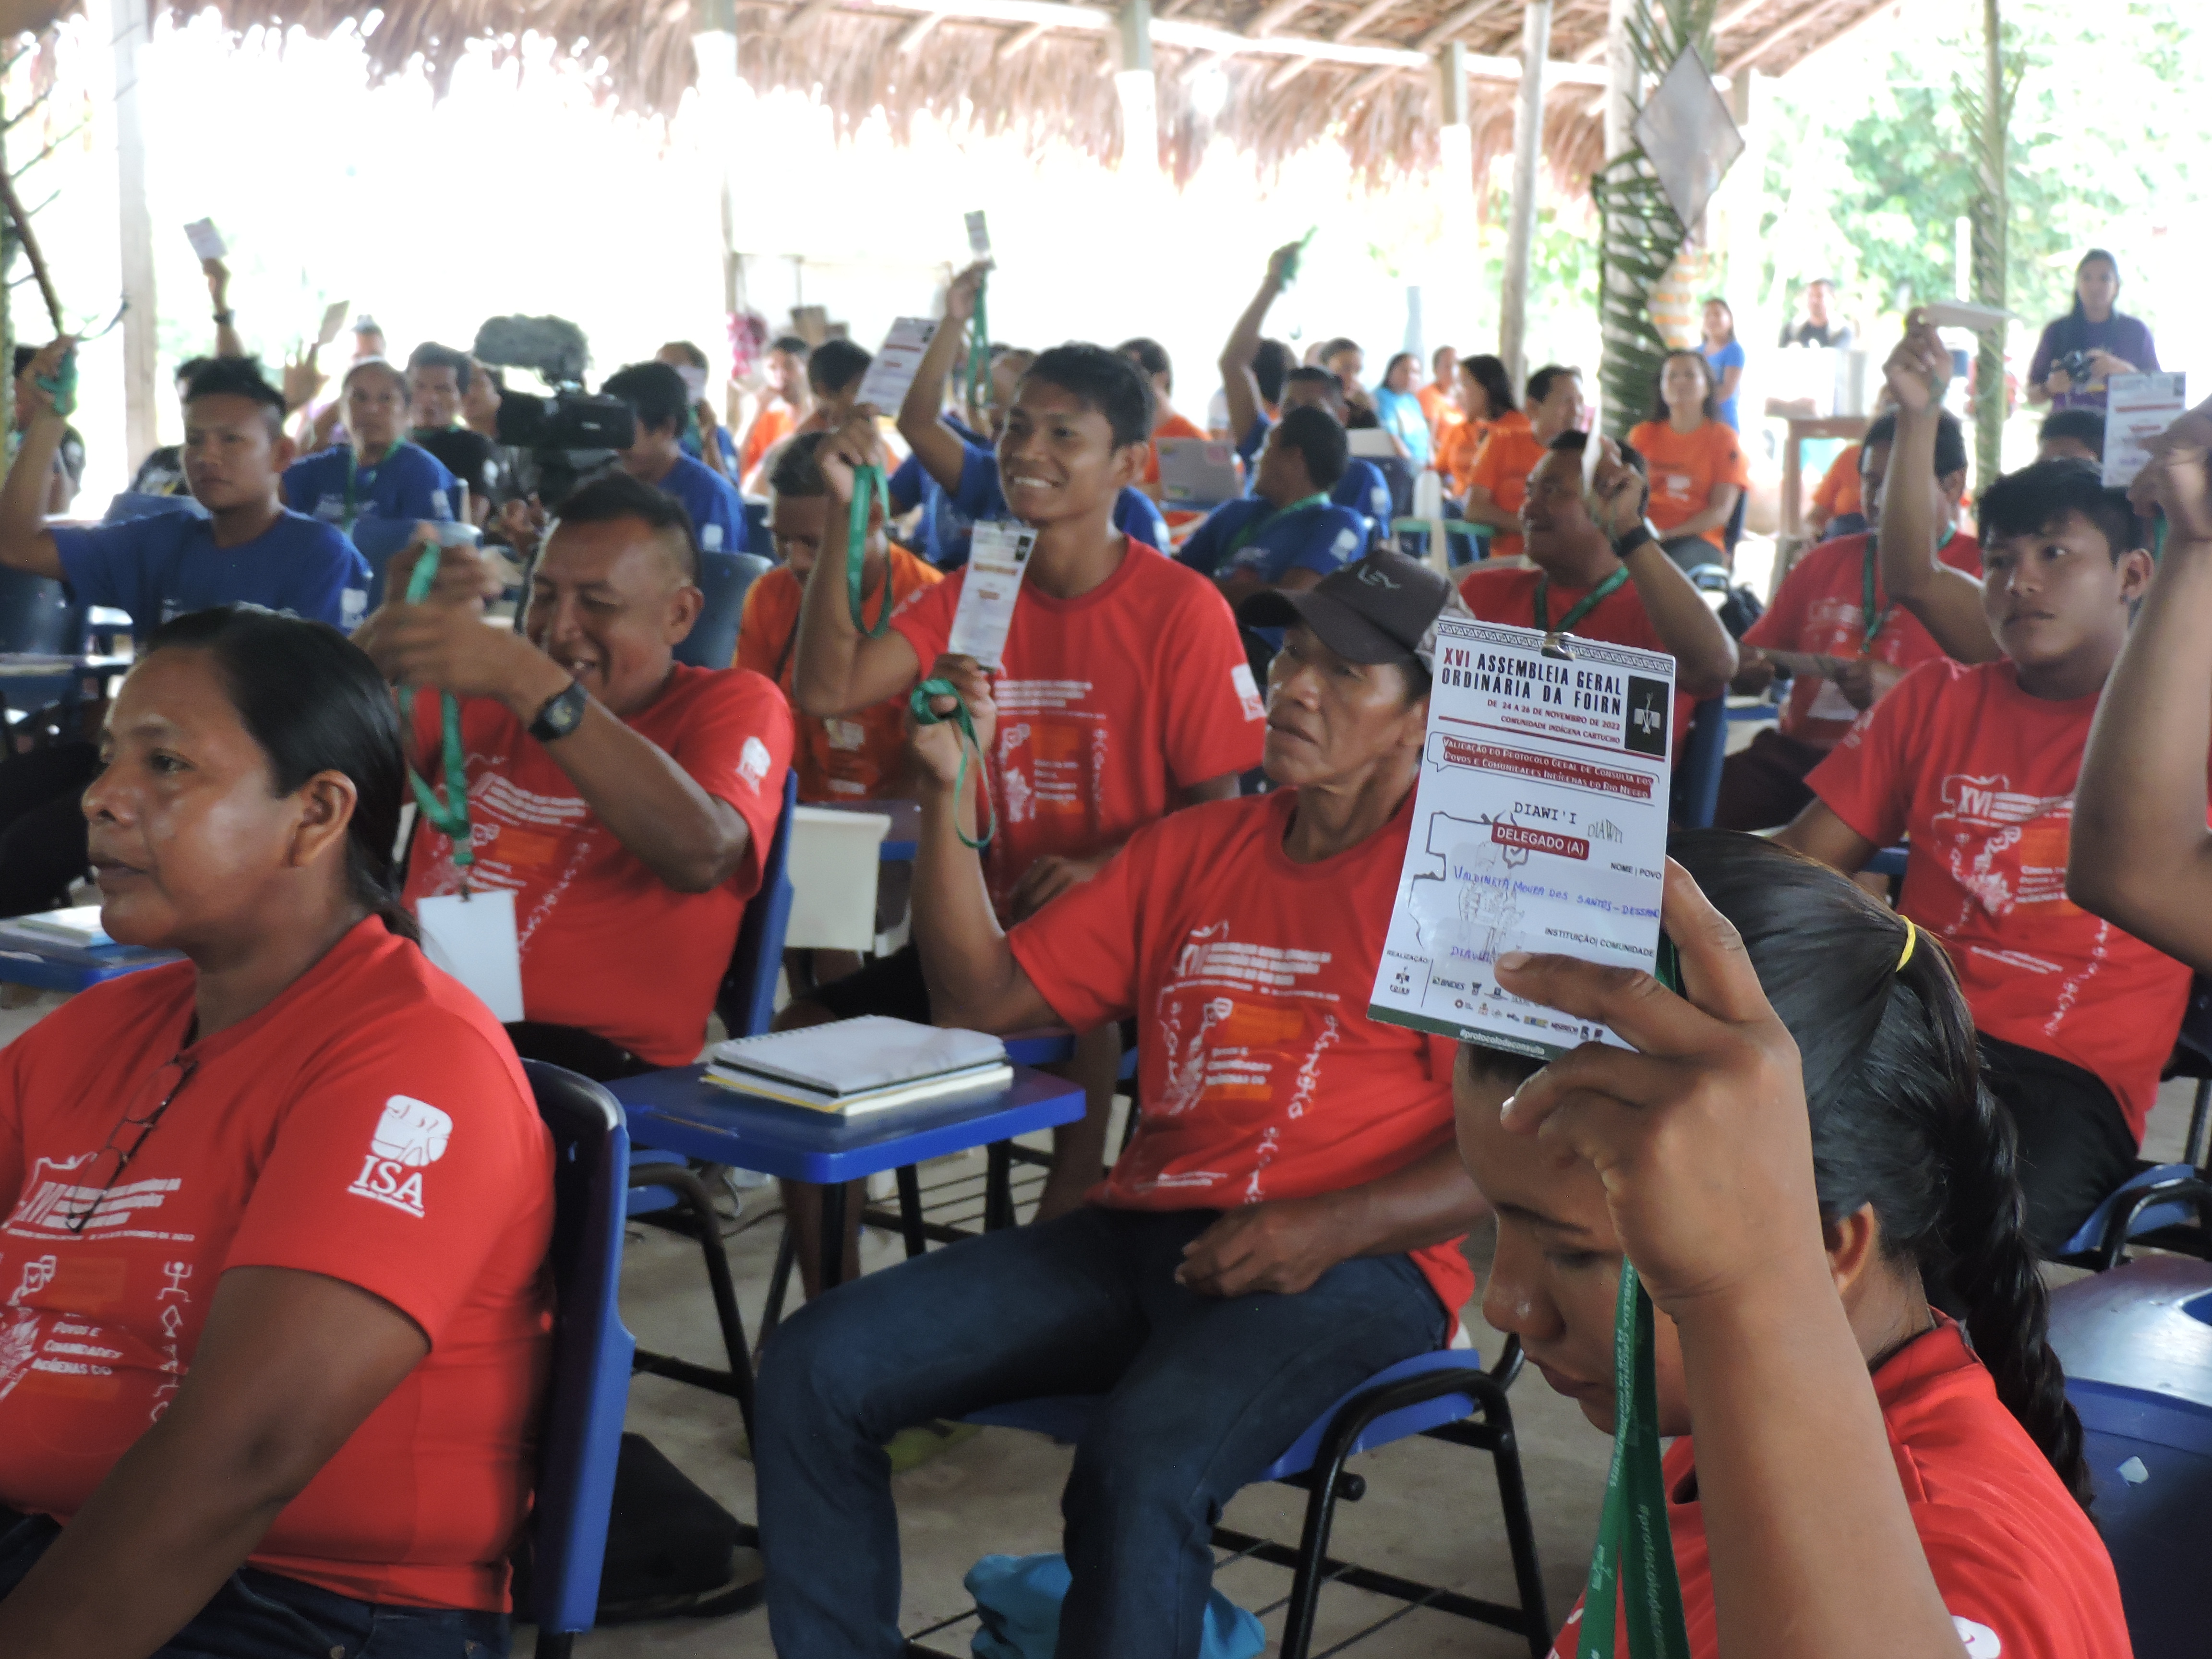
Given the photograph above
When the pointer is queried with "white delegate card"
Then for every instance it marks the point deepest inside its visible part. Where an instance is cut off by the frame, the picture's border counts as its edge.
(334, 316)
(997, 556)
(895, 364)
(207, 241)
(1539, 823)
(2138, 408)
(473, 938)
(979, 235)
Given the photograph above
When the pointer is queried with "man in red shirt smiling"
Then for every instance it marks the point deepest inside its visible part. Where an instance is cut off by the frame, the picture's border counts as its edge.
(1978, 764)
(1283, 1223)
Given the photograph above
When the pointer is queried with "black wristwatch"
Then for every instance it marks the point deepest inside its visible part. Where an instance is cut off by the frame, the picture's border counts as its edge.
(1642, 532)
(561, 714)
(225, 317)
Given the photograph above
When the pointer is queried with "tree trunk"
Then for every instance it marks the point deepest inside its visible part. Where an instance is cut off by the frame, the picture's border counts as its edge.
(1991, 217)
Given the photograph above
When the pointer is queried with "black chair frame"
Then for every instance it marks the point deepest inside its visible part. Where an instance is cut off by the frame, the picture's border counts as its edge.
(695, 1218)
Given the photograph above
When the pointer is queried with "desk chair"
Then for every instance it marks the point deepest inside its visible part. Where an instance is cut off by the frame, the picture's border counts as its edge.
(1445, 1396)
(1697, 791)
(725, 578)
(591, 1356)
(37, 616)
(757, 538)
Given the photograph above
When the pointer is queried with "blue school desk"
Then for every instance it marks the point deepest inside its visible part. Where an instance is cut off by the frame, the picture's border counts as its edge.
(45, 964)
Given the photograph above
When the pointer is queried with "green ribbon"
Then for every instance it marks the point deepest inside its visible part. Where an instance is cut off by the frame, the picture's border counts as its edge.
(447, 812)
(1635, 1552)
(1582, 607)
(869, 486)
(925, 715)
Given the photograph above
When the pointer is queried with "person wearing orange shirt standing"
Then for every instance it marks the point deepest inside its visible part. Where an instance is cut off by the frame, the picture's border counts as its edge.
(1697, 469)
(1499, 481)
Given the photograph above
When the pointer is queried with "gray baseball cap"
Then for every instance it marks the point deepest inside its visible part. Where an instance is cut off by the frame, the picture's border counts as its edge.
(1383, 608)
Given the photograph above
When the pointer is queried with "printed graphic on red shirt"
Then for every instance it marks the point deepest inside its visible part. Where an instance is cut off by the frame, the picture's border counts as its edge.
(410, 1134)
(1980, 777)
(1509, 596)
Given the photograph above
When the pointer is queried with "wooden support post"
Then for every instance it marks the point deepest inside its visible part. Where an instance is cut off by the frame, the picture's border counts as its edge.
(1528, 159)
(1137, 91)
(135, 230)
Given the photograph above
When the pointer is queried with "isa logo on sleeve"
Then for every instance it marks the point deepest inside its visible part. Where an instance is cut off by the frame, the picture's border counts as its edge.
(410, 1136)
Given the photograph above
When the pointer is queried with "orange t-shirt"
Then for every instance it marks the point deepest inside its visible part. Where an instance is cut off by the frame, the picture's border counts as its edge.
(1457, 449)
(859, 757)
(1509, 596)
(1248, 976)
(1839, 490)
(607, 945)
(2020, 1566)
(371, 1125)
(1441, 407)
(1821, 606)
(1981, 776)
(769, 427)
(1684, 468)
(1501, 466)
(1109, 705)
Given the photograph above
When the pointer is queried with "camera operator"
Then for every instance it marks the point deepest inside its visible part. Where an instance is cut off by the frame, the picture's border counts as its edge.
(2080, 351)
(656, 394)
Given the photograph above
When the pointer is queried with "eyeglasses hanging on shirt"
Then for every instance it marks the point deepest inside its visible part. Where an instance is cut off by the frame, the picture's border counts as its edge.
(125, 1139)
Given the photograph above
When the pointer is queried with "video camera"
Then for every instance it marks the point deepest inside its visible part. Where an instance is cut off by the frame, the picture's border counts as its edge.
(2077, 367)
(568, 436)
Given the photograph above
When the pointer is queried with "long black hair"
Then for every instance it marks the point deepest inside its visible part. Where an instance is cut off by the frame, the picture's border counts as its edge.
(315, 702)
(1489, 373)
(2078, 313)
(1900, 1119)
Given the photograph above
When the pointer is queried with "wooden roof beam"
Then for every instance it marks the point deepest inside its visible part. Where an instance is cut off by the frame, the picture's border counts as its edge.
(1020, 41)
(1274, 17)
(1775, 36)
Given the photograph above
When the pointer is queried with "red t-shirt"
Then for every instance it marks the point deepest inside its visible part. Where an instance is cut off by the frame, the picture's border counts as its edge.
(1981, 776)
(371, 1125)
(2020, 1566)
(1508, 454)
(1262, 1077)
(607, 945)
(1821, 607)
(1685, 466)
(1109, 706)
(1509, 596)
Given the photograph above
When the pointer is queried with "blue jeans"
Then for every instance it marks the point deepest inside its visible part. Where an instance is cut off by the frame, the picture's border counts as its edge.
(1202, 1395)
(265, 1615)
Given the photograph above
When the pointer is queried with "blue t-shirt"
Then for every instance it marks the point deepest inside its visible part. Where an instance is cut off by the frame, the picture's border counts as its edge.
(159, 568)
(942, 538)
(980, 497)
(407, 482)
(1363, 488)
(1401, 414)
(718, 512)
(1728, 357)
(1319, 537)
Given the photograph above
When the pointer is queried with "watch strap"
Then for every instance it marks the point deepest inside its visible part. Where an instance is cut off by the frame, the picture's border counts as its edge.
(562, 714)
(1627, 542)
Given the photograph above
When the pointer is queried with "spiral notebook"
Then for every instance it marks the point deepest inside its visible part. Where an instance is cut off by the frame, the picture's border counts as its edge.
(860, 1065)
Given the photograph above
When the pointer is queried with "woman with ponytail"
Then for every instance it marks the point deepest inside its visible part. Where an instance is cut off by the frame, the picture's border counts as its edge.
(1798, 1157)
(273, 1322)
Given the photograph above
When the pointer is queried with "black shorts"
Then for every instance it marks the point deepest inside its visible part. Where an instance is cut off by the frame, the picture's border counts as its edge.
(890, 985)
(2076, 1148)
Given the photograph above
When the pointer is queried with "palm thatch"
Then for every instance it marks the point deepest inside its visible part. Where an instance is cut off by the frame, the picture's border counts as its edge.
(1051, 81)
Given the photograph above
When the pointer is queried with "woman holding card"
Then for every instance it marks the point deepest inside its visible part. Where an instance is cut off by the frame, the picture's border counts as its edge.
(1809, 1186)
(277, 1213)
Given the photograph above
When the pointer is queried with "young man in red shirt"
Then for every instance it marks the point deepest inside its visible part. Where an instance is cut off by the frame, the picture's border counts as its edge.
(1125, 687)
(1833, 603)
(1605, 578)
(627, 800)
(1977, 766)
(1283, 1223)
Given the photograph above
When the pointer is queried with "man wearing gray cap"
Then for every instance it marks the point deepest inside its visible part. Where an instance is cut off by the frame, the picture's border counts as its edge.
(1284, 1222)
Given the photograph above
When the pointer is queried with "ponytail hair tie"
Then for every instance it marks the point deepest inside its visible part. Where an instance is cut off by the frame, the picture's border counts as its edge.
(1912, 939)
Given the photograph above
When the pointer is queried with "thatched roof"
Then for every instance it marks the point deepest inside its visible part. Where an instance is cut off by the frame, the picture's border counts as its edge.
(1043, 71)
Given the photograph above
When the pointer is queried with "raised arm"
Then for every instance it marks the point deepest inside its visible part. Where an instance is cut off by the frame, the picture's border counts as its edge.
(1705, 654)
(974, 981)
(227, 341)
(2140, 854)
(1238, 384)
(290, 1365)
(1947, 602)
(837, 669)
(941, 451)
(26, 543)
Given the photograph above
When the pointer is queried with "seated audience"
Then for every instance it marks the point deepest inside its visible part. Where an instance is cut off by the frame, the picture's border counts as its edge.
(375, 473)
(1400, 411)
(943, 532)
(1832, 603)
(1363, 488)
(704, 438)
(162, 472)
(784, 401)
(862, 758)
(656, 395)
(1485, 399)
(1151, 357)
(1439, 396)
(835, 370)
(1849, 1330)
(2071, 435)
(1978, 765)
(1697, 471)
(1284, 1222)
(1287, 534)
(437, 386)
(1723, 355)
(276, 1214)
(2140, 856)
(1343, 358)
(1497, 484)
(627, 800)
(1819, 325)
(1601, 573)
(1124, 679)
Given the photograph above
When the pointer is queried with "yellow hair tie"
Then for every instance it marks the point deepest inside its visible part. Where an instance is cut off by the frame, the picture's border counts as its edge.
(1912, 939)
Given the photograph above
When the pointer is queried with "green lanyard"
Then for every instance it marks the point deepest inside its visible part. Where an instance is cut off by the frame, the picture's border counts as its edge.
(1581, 608)
(1875, 621)
(1260, 521)
(869, 487)
(979, 351)
(1634, 1554)
(448, 812)
(923, 715)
